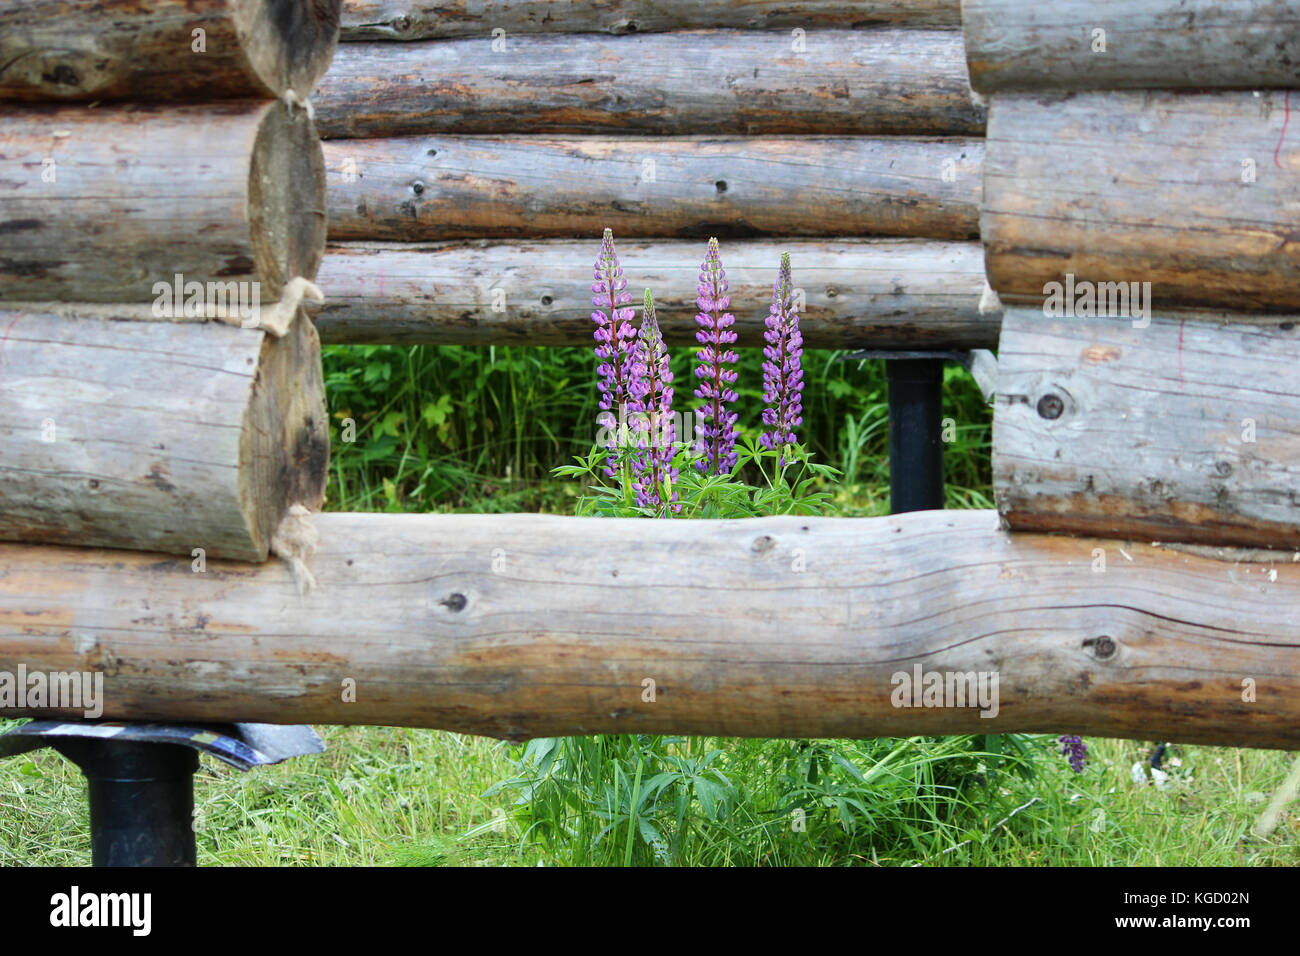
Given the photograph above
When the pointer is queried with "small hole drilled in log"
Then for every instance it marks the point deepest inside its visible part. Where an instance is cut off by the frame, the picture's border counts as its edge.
(720, 185)
(433, 152)
(417, 187)
(547, 300)
(455, 602)
(1103, 648)
(832, 292)
(1050, 406)
(93, 484)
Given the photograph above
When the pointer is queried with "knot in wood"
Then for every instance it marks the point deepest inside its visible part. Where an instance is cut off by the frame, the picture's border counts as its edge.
(1103, 647)
(454, 602)
(763, 544)
(1051, 406)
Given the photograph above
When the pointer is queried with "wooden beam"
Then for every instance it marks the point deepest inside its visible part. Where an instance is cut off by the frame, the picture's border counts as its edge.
(1183, 430)
(530, 625)
(850, 82)
(1192, 192)
(97, 205)
(1143, 44)
(439, 19)
(884, 293)
(162, 436)
(453, 187)
(163, 49)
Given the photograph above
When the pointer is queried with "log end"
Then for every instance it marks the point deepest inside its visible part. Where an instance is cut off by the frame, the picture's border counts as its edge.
(289, 43)
(286, 198)
(284, 442)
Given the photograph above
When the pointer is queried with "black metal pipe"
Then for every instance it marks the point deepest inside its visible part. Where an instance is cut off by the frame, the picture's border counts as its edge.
(915, 437)
(141, 800)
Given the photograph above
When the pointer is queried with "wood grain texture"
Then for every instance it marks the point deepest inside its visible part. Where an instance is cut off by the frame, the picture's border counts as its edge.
(846, 82)
(1187, 430)
(155, 435)
(1192, 192)
(877, 293)
(1148, 44)
(530, 625)
(456, 187)
(441, 19)
(149, 49)
(97, 205)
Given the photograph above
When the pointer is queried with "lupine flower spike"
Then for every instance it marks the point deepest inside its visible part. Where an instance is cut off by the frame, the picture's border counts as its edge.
(614, 339)
(715, 430)
(1075, 750)
(783, 370)
(652, 396)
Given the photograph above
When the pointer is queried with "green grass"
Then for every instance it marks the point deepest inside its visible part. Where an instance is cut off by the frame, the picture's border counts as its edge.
(476, 430)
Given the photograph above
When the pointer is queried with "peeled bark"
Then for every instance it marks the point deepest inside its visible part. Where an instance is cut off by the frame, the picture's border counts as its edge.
(157, 436)
(454, 187)
(1143, 44)
(440, 19)
(152, 50)
(1192, 192)
(868, 293)
(838, 82)
(520, 626)
(97, 205)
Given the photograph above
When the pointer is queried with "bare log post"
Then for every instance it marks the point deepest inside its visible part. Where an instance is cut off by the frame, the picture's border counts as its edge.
(97, 205)
(531, 625)
(883, 293)
(440, 19)
(853, 82)
(159, 436)
(451, 187)
(163, 49)
(1192, 192)
(1172, 427)
(1139, 44)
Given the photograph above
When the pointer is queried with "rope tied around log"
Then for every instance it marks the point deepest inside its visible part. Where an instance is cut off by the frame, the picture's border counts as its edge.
(295, 540)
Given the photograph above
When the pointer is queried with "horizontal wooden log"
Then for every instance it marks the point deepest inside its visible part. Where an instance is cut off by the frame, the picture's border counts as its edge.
(156, 435)
(98, 205)
(518, 626)
(455, 187)
(439, 19)
(846, 82)
(1186, 429)
(163, 49)
(1194, 193)
(879, 293)
(1142, 44)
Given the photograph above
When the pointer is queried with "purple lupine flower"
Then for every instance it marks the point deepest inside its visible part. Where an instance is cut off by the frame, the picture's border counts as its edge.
(614, 339)
(783, 370)
(652, 399)
(715, 429)
(1075, 749)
